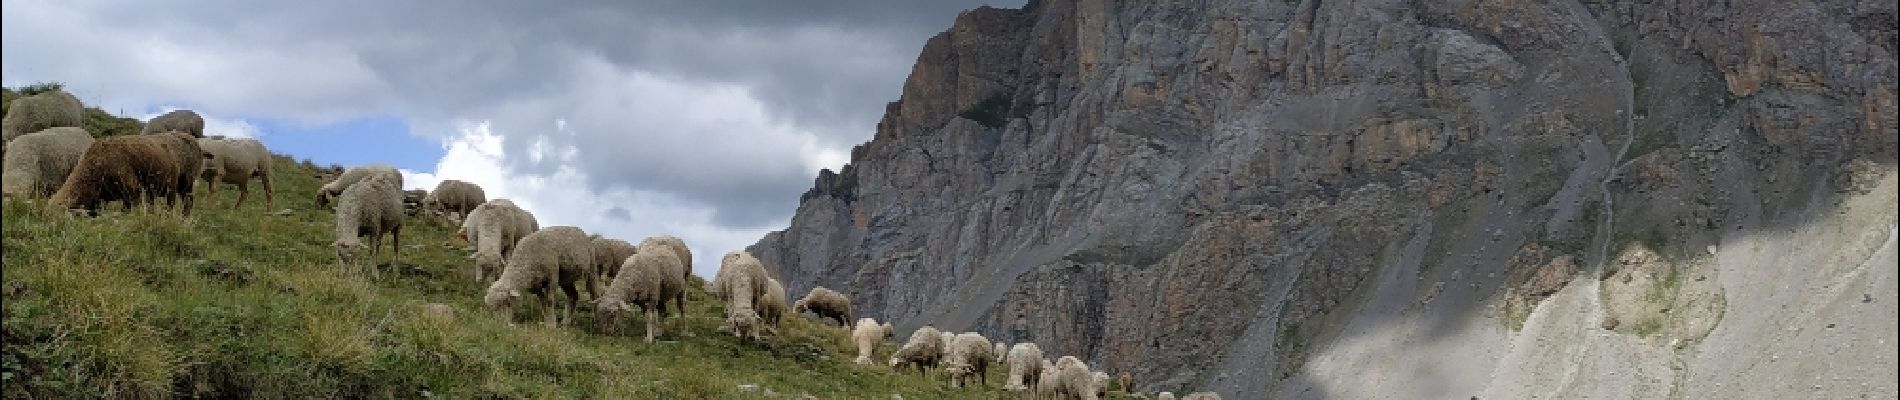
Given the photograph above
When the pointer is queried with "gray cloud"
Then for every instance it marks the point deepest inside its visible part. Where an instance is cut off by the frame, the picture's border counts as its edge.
(630, 81)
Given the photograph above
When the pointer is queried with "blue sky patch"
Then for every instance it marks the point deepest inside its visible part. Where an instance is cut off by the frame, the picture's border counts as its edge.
(359, 141)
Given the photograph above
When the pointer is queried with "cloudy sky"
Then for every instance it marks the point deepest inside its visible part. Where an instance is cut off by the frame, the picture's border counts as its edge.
(701, 118)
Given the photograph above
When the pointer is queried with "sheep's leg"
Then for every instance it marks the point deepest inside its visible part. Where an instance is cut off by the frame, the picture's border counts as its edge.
(547, 303)
(653, 321)
(270, 197)
(395, 248)
(244, 192)
(375, 247)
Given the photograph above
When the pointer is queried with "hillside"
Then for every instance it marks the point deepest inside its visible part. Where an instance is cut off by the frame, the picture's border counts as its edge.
(1391, 199)
(98, 122)
(248, 304)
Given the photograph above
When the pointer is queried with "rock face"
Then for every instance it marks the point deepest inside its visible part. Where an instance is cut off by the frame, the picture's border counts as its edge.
(1271, 198)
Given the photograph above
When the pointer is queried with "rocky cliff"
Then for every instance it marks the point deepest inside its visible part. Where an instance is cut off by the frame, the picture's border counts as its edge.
(1404, 199)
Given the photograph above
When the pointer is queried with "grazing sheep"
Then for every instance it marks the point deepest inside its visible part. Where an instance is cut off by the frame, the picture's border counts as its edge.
(347, 178)
(53, 108)
(454, 197)
(236, 161)
(370, 208)
(968, 354)
(866, 336)
(609, 254)
(1165, 396)
(1202, 396)
(558, 256)
(1025, 366)
(679, 296)
(648, 279)
(771, 306)
(38, 163)
(1000, 353)
(127, 169)
(1126, 382)
(946, 338)
(1072, 380)
(740, 282)
(186, 121)
(191, 159)
(827, 304)
(1098, 382)
(1046, 380)
(922, 351)
(679, 249)
(494, 228)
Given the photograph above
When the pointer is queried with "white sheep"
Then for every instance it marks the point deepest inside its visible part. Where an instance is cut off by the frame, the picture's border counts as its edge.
(494, 228)
(1025, 366)
(1098, 382)
(741, 281)
(38, 163)
(609, 254)
(454, 197)
(370, 208)
(648, 279)
(1046, 380)
(236, 161)
(771, 305)
(186, 121)
(353, 176)
(1072, 380)
(557, 256)
(867, 335)
(922, 351)
(1202, 396)
(52, 108)
(1001, 353)
(1165, 396)
(826, 303)
(968, 355)
(679, 248)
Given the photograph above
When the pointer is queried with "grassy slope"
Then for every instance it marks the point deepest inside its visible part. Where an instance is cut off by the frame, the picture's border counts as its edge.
(238, 302)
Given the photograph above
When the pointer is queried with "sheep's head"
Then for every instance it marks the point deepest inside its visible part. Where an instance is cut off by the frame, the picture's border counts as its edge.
(498, 298)
(488, 261)
(462, 233)
(888, 330)
(323, 198)
(611, 305)
(800, 306)
(347, 251)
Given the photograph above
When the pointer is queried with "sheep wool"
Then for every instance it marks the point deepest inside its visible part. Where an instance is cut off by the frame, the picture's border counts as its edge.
(237, 161)
(968, 356)
(1165, 396)
(127, 169)
(370, 208)
(550, 258)
(679, 296)
(731, 266)
(1025, 366)
(1098, 382)
(826, 303)
(494, 228)
(186, 121)
(649, 280)
(609, 254)
(1202, 396)
(53, 108)
(922, 351)
(1000, 354)
(1046, 380)
(679, 249)
(1072, 380)
(351, 177)
(866, 336)
(454, 197)
(38, 163)
(771, 306)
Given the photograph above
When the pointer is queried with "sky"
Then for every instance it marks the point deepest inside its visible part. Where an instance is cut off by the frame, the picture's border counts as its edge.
(704, 119)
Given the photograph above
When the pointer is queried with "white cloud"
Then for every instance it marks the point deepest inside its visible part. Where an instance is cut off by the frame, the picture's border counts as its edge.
(563, 198)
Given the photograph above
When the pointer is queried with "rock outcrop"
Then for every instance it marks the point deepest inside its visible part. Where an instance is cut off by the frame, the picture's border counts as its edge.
(1223, 194)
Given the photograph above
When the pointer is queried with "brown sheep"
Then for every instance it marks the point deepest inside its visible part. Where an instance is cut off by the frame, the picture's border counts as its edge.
(826, 303)
(191, 159)
(127, 169)
(455, 198)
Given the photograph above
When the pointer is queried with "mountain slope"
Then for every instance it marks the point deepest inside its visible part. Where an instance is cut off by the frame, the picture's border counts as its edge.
(1283, 197)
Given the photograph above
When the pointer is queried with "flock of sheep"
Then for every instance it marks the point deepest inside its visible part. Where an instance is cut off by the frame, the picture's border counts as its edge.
(513, 255)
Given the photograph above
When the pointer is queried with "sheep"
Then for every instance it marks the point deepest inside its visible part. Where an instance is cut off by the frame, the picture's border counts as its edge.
(609, 254)
(740, 282)
(771, 306)
(494, 228)
(1098, 382)
(186, 121)
(679, 248)
(1025, 366)
(867, 335)
(37, 163)
(53, 108)
(923, 350)
(1165, 396)
(191, 159)
(679, 296)
(127, 169)
(1072, 380)
(827, 304)
(648, 279)
(1046, 380)
(236, 161)
(1126, 382)
(454, 197)
(370, 208)
(1001, 353)
(557, 256)
(1202, 396)
(347, 178)
(968, 354)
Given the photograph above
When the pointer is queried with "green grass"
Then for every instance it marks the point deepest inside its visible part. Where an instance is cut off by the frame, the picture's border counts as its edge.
(240, 303)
